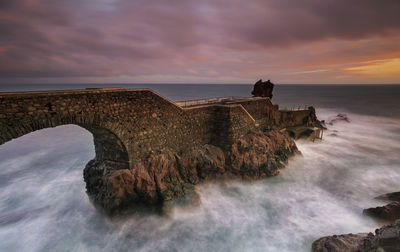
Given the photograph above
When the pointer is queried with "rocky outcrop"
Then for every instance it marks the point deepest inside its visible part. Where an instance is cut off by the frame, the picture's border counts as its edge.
(312, 119)
(389, 212)
(338, 118)
(395, 196)
(263, 89)
(349, 242)
(162, 178)
(385, 239)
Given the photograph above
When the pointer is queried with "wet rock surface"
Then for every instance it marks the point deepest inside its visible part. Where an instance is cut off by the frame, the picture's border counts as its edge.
(162, 178)
(385, 239)
(313, 120)
(349, 242)
(389, 212)
(395, 196)
(338, 118)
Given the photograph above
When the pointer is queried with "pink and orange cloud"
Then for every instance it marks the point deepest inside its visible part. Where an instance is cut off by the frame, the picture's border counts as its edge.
(210, 41)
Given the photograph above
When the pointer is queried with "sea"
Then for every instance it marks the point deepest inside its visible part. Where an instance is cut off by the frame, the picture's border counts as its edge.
(44, 205)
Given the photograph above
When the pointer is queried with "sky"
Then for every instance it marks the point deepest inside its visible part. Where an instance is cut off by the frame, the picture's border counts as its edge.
(200, 41)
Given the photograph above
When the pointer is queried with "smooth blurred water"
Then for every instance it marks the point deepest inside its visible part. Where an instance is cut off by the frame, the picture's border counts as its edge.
(44, 207)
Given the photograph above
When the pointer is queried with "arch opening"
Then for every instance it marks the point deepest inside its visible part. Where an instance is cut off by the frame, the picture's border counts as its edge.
(108, 146)
(110, 155)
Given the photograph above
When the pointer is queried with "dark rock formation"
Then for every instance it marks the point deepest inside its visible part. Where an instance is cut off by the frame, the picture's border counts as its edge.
(389, 212)
(338, 118)
(349, 242)
(313, 120)
(395, 196)
(160, 178)
(386, 239)
(263, 89)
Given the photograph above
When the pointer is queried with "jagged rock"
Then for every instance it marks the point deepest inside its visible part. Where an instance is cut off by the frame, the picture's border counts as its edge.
(162, 178)
(263, 89)
(395, 196)
(389, 212)
(386, 239)
(260, 154)
(313, 120)
(338, 118)
(348, 243)
(323, 124)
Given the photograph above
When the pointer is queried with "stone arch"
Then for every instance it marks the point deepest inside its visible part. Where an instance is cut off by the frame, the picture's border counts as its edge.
(108, 146)
(111, 154)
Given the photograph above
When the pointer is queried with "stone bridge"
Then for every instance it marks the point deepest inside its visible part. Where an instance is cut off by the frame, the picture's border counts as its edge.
(130, 125)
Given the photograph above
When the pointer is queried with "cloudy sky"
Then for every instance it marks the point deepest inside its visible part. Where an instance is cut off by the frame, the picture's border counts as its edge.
(199, 41)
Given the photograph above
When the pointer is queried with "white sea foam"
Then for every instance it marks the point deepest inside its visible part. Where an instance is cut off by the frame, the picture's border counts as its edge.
(44, 207)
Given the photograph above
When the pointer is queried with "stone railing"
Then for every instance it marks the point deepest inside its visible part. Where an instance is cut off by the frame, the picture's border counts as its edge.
(217, 100)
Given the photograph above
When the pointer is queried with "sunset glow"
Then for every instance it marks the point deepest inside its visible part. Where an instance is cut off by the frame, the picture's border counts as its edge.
(208, 41)
(388, 69)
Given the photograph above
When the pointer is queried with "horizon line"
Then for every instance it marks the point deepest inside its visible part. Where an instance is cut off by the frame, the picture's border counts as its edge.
(180, 83)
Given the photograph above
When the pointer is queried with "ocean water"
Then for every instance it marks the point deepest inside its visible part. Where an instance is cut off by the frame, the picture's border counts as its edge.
(44, 207)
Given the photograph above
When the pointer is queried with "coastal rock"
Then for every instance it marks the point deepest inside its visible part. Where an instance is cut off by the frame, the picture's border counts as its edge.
(395, 196)
(263, 89)
(260, 154)
(389, 212)
(338, 118)
(386, 238)
(348, 243)
(313, 120)
(162, 178)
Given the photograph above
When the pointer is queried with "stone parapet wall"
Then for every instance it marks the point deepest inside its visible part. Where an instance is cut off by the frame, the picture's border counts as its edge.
(134, 117)
(140, 121)
(262, 110)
